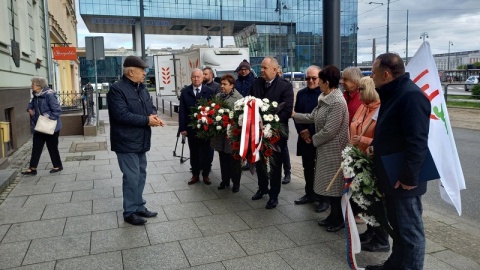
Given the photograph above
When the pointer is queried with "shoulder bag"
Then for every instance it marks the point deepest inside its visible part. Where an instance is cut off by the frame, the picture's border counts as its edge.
(44, 124)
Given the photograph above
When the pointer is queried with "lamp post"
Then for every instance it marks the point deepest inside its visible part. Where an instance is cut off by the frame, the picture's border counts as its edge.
(388, 20)
(354, 28)
(279, 10)
(448, 56)
(142, 30)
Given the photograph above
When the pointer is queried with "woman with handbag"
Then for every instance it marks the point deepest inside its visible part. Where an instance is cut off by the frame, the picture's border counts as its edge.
(44, 111)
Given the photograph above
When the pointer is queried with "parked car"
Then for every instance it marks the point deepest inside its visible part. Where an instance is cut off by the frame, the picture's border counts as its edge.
(470, 82)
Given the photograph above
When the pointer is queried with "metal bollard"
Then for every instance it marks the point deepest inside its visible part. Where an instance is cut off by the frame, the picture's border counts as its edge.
(163, 106)
(171, 109)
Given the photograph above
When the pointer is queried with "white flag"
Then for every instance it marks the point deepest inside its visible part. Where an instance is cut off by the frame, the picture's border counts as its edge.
(424, 73)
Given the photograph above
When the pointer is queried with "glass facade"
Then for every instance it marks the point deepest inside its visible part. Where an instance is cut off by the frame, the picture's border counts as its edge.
(291, 30)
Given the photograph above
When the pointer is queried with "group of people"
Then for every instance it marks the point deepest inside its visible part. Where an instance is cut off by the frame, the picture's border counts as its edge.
(326, 120)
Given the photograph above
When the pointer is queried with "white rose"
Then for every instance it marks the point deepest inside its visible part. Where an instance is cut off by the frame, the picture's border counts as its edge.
(227, 110)
(213, 104)
(199, 126)
(195, 114)
(230, 115)
(204, 119)
(221, 111)
(199, 107)
(240, 119)
(218, 118)
(274, 104)
(219, 127)
(207, 109)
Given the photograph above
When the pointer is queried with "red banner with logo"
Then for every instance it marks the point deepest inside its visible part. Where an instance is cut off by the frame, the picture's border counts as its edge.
(64, 53)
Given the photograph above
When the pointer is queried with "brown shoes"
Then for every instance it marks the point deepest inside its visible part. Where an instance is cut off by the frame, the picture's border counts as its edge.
(206, 180)
(194, 180)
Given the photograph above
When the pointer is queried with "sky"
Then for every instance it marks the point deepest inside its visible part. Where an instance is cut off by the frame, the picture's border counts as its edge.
(454, 22)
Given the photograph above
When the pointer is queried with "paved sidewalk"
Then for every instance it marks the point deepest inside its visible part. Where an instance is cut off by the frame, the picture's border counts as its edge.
(73, 219)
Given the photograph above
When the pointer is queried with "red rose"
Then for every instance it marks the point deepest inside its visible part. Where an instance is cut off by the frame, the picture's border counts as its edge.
(225, 118)
(209, 102)
(203, 108)
(275, 139)
(236, 131)
(209, 121)
(205, 127)
(199, 116)
(268, 152)
(217, 107)
(235, 145)
(211, 112)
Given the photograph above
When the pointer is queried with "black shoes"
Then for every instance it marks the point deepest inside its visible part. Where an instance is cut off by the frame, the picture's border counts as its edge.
(235, 189)
(30, 171)
(147, 214)
(325, 222)
(367, 236)
(304, 200)
(335, 228)
(286, 179)
(272, 203)
(223, 185)
(322, 207)
(258, 195)
(331, 226)
(374, 246)
(55, 170)
(135, 220)
(376, 267)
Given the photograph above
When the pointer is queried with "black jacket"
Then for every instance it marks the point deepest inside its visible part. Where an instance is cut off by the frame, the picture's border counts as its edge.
(129, 107)
(306, 101)
(244, 83)
(402, 125)
(188, 100)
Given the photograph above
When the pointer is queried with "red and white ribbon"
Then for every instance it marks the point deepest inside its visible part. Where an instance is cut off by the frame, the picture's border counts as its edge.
(251, 136)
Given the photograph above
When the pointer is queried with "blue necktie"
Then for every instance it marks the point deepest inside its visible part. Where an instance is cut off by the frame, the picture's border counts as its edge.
(197, 91)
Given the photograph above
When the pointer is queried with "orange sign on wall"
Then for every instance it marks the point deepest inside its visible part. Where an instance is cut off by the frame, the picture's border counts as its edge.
(64, 53)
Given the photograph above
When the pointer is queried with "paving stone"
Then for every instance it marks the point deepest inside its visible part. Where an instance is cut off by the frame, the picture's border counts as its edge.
(262, 240)
(89, 223)
(211, 249)
(14, 215)
(260, 204)
(195, 195)
(210, 266)
(35, 229)
(107, 168)
(268, 261)
(263, 217)
(73, 186)
(187, 210)
(38, 266)
(3, 231)
(96, 162)
(68, 210)
(31, 190)
(56, 248)
(313, 256)
(12, 254)
(162, 256)
(107, 205)
(105, 183)
(169, 186)
(219, 224)
(299, 212)
(172, 231)
(456, 260)
(432, 263)
(307, 232)
(92, 194)
(13, 202)
(78, 170)
(118, 191)
(104, 261)
(56, 178)
(46, 199)
(177, 177)
(228, 205)
(118, 239)
(94, 176)
(161, 217)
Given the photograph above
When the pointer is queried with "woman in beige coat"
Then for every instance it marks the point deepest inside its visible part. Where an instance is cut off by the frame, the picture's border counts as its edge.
(331, 136)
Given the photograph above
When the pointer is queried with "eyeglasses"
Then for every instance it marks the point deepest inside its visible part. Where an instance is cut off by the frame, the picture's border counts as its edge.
(311, 78)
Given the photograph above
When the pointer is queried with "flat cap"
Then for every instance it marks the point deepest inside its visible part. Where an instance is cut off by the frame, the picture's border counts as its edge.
(134, 61)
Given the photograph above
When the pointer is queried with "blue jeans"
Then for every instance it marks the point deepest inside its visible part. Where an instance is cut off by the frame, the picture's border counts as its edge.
(133, 167)
(405, 216)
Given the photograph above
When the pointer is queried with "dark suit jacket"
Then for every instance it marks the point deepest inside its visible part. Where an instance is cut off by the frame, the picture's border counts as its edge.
(402, 125)
(306, 101)
(188, 100)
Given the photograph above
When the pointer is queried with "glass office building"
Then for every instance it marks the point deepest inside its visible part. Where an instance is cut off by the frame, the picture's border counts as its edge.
(290, 30)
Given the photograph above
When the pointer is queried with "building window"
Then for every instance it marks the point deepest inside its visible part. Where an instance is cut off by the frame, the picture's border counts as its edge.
(23, 19)
(5, 33)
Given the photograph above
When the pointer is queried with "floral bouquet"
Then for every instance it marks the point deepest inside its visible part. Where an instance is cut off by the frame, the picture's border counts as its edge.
(358, 168)
(210, 118)
(255, 129)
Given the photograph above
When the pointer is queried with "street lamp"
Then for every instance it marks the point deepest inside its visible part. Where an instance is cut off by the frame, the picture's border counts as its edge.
(448, 56)
(279, 10)
(388, 20)
(354, 28)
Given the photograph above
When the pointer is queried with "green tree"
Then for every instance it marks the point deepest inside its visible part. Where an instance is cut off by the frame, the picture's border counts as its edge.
(476, 65)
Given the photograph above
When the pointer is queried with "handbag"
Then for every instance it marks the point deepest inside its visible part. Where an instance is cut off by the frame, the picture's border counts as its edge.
(45, 125)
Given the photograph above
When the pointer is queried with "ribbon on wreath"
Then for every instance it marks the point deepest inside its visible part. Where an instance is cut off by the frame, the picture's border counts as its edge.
(251, 136)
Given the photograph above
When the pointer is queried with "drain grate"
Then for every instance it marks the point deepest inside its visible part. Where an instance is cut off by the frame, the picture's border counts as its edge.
(87, 146)
(80, 158)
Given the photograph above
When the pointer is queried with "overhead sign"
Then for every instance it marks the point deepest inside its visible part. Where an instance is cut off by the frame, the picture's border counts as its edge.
(64, 53)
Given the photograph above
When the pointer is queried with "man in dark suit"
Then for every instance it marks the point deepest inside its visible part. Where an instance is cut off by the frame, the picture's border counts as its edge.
(402, 126)
(306, 101)
(200, 149)
(274, 88)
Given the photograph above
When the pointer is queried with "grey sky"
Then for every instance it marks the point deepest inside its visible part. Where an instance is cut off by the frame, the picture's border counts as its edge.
(446, 20)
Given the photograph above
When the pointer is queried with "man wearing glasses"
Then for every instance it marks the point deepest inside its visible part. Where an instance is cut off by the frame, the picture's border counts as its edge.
(132, 114)
(306, 101)
(244, 79)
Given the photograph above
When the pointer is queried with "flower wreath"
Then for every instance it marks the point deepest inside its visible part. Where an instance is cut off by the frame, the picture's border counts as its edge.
(210, 118)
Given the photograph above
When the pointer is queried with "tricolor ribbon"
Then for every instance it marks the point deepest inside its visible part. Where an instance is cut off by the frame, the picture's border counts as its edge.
(251, 136)
(351, 231)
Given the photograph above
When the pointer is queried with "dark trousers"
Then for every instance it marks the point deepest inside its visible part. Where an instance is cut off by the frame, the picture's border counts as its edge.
(274, 177)
(230, 168)
(39, 140)
(309, 155)
(200, 155)
(134, 169)
(336, 215)
(287, 166)
(405, 216)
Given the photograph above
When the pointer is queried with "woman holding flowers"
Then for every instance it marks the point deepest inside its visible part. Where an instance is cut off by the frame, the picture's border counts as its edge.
(230, 168)
(362, 129)
(331, 136)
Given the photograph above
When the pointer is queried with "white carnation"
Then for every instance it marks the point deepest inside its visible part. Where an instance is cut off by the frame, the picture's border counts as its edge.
(264, 107)
(213, 104)
(274, 104)
(219, 127)
(221, 111)
(230, 115)
(199, 107)
(207, 109)
(199, 126)
(204, 119)
(218, 118)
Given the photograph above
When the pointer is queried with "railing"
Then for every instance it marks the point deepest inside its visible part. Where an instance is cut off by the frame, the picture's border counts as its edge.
(71, 102)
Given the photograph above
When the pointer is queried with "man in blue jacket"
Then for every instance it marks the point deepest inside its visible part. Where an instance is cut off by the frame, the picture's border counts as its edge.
(132, 114)
(244, 79)
(274, 88)
(200, 150)
(402, 126)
